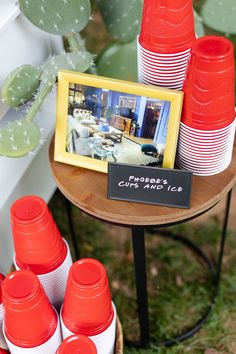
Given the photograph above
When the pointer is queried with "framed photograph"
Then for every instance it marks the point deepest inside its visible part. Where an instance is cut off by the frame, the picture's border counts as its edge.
(101, 120)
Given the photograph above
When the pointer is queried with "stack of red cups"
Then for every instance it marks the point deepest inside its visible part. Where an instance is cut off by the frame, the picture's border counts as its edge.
(40, 247)
(87, 308)
(31, 325)
(207, 125)
(3, 344)
(77, 344)
(164, 45)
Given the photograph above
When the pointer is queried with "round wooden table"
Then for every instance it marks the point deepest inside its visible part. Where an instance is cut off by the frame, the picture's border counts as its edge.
(87, 190)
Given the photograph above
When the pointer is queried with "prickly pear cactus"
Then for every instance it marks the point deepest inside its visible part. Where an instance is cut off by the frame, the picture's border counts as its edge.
(57, 16)
(119, 61)
(76, 61)
(122, 18)
(19, 138)
(20, 85)
(220, 15)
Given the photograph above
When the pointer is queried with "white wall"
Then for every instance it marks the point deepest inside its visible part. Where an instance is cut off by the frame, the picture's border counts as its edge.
(22, 43)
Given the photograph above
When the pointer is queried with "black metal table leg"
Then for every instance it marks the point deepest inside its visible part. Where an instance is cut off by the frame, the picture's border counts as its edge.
(141, 280)
(222, 242)
(141, 283)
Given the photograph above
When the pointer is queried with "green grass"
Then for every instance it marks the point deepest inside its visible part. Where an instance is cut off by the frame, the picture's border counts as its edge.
(178, 282)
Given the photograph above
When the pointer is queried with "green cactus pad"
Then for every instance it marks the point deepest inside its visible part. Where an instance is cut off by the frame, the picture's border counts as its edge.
(199, 28)
(19, 138)
(20, 85)
(122, 18)
(76, 61)
(57, 16)
(220, 15)
(119, 61)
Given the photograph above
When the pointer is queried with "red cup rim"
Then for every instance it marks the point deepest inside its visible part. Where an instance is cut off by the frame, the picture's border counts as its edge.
(164, 85)
(213, 48)
(41, 269)
(183, 52)
(207, 122)
(203, 149)
(204, 140)
(171, 87)
(165, 45)
(198, 168)
(202, 131)
(158, 81)
(213, 167)
(164, 57)
(28, 209)
(208, 163)
(163, 72)
(219, 144)
(192, 161)
(160, 61)
(77, 344)
(165, 77)
(162, 67)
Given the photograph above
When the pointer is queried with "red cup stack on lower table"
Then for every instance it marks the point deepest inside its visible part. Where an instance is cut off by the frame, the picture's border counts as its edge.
(207, 127)
(87, 308)
(31, 324)
(164, 45)
(39, 246)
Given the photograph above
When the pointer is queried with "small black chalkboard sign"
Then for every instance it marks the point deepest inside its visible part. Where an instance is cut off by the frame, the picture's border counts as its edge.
(150, 185)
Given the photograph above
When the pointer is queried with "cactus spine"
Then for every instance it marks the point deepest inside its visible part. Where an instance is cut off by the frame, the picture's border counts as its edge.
(57, 16)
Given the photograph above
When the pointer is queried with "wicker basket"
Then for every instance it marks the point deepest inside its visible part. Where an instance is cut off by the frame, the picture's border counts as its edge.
(119, 349)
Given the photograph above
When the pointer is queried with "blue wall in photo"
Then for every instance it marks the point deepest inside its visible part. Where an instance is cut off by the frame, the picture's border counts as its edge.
(161, 130)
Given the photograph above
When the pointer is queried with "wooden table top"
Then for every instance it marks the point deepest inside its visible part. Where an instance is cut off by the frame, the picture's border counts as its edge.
(87, 190)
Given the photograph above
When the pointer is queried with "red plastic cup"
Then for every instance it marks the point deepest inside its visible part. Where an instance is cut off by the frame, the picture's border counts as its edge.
(2, 351)
(167, 26)
(37, 240)
(87, 307)
(212, 54)
(209, 84)
(77, 344)
(30, 320)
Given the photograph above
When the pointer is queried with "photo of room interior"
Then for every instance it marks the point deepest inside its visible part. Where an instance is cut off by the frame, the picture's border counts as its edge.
(116, 126)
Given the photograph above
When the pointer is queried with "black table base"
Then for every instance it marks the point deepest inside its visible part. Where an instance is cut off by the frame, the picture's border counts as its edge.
(138, 239)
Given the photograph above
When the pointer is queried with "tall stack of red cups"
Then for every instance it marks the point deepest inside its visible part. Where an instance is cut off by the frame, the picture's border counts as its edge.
(3, 343)
(31, 324)
(40, 247)
(164, 45)
(77, 344)
(207, 125)
(87, 308)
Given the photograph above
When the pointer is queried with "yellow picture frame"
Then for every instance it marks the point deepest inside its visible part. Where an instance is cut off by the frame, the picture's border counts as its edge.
(111, 140)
